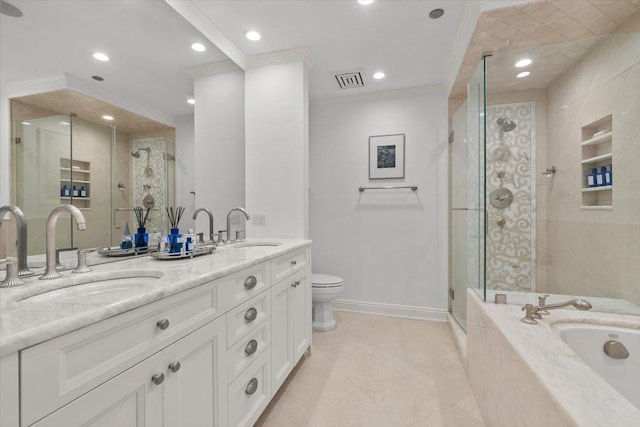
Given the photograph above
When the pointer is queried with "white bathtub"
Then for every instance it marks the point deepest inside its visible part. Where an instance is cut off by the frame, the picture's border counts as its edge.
(587, 341)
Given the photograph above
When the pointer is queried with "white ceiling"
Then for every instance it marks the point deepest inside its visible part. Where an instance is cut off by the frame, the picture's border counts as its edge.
(396, 37)
(149, 42)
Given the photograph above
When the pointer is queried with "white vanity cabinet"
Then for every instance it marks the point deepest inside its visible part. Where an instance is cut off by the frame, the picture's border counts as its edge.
(9, 386)
(291, 316)
(211, 355)
(183, 385)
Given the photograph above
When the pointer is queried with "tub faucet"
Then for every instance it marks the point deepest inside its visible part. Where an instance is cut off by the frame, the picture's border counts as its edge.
(533, 312)
(21, 223)
(51, 272)
(208, 212)
(238, 209)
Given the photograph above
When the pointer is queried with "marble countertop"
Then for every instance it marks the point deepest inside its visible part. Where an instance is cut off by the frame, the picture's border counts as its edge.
(586, 396)
(132, 282)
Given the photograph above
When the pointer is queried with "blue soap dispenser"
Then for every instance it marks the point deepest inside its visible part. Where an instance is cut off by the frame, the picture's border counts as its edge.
(591, 178)
(64, 191)
(604, 176)
(83, 192)
(610, 174)
(75, 191)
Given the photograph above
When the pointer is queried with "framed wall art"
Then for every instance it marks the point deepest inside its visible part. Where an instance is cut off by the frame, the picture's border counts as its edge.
(386, 156)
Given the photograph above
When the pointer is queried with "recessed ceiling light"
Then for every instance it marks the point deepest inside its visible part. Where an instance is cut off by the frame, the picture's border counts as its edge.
(98, 78)
(198, 47)
(106, 117)
(26, 123)
(100, 56)
(64, 123)
(436, 13)
(191, 101)
(523, 74)
(523, 62)
(253, 35)
(379, 75)
(365, 2)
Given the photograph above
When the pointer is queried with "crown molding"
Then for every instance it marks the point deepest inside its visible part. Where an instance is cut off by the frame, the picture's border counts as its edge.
(213, 69)
(189, 11)
(379, 96)
(43, 84)
(465, 32)
(298, 54)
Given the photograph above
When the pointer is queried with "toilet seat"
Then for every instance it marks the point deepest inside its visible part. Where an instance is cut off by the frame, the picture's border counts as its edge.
(325, 281)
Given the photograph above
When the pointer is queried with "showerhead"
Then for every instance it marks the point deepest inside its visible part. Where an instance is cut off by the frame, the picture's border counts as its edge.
(136, 153)
(505, 124)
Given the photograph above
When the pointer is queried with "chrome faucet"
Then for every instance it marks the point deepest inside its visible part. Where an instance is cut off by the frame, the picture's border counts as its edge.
(51, 272)
(21, 224)
(195, 214)
(533, 312)
(238, 209)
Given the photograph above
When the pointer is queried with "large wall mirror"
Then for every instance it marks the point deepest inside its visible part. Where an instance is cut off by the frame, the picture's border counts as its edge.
(59, 139)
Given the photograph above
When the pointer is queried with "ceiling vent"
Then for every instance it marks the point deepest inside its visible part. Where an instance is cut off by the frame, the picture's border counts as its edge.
(350, 80)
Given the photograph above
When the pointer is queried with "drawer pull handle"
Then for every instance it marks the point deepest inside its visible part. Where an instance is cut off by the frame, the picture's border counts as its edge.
(251, 347)
(295, 284)
(293, 263)
(163, 324)
(250, 282)
(251, 314)
(174, 367)
(252, 386)
(158, 378)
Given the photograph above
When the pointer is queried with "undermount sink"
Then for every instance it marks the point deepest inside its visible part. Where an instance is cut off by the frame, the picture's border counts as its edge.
(88, 287)
(254, 244)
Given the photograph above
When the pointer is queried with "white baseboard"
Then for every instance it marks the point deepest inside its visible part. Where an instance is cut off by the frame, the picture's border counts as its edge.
(391, 310)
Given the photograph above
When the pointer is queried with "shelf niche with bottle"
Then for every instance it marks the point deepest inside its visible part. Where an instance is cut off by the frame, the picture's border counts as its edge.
(75, 173)
(597, 153)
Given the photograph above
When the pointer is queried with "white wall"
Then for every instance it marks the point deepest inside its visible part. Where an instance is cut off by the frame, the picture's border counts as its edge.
(185, 171)
(389, 246)
(219, 148)
(277, 140)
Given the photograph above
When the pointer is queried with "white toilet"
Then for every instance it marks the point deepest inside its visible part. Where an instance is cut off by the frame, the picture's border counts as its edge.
(324, 290)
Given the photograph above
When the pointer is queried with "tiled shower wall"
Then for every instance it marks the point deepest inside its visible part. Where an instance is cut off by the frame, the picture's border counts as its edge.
(595, 253)
(511, 235)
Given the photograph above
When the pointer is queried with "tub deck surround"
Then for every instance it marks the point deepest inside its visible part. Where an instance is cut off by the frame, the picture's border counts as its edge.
(544, 379)
(602, 305)
(24, 325)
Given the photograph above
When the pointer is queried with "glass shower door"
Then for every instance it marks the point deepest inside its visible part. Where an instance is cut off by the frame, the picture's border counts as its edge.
(467, 198)
(41, 177)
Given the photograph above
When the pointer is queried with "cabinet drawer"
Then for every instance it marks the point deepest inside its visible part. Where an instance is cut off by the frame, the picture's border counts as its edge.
(247, 317)
(245, 351)
(250, 393)
(244, 285)
(57, 371)
(287, 264)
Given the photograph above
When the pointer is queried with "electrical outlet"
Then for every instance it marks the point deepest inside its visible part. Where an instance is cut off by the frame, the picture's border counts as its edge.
(258, 219)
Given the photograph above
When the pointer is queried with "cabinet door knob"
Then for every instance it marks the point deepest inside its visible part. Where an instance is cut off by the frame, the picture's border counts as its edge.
(250, 282)
(163, 324)
(251, 314)
(158, 378)
(252, 386)
(251, 347)
(293, 263)
(174, 367)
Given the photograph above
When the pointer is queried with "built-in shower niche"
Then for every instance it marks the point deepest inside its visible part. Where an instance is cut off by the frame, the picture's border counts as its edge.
(75, 178)
(597, 152)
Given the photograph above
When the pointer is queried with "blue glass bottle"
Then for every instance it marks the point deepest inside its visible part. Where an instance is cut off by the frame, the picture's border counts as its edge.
(591, 178)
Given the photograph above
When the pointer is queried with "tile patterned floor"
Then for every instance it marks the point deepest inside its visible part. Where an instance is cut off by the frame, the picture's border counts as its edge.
(377, 371)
